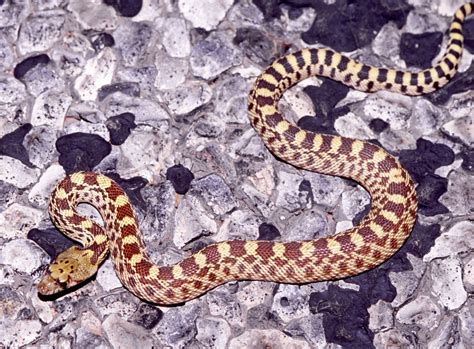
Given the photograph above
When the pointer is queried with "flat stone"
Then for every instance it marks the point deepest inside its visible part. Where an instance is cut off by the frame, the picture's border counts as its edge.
(263, 338)
(199, 15)
(14, 172)
(107, 278)
(123, 334)
(457, 239)
(23, 255)
(447, 283)
(97, 72)
(94, 14)
(41, 31)
(41, 191)
(186, 98)
(462, 129)
(176, 38)
(422, 311)
(212, 332)
(212, 56)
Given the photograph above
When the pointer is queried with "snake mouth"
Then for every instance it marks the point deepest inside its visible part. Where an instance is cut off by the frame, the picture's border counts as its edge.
(49, 286)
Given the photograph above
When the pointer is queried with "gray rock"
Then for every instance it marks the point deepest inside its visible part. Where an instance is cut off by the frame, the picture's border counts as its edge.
(41, 31)
(175, 36)
(213, 55)
(310, 224)
(230, 98)
(462, 129)
(144, 152)
(393, 337)
(41, 191)
(288, 196)
(263, 338)
(468, 274)
(107, 278)
(18, 219)
(18, 326)
(186, 98)
(223, 304)
(177, 328)
(146, 111)
(23, 255)
(199, 14)
(121, 303)
(6, 53)
(212, 332)
(420, 21)
(144, 76)
(422, 311)
(290, 302)
(97, 72)
(123, 334)
(12, 95)
(172, 72)
(86, 339)
(94, 15)
(381, 318)
(457, 239)
(214, 192)
(426, 118)
(459, 198)
(43, 78)
(447, 283)
(133, 40)
(387, 41)
(40, 144)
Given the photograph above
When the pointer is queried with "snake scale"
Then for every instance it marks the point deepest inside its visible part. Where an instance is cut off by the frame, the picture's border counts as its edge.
(378, 236)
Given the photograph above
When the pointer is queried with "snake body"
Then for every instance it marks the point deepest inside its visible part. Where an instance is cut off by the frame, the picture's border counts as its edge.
(378, 236)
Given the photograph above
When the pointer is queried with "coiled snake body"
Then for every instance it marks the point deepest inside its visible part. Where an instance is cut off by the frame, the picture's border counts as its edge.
(378, 236)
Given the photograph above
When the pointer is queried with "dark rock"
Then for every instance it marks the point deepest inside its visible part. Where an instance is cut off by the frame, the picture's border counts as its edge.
(268, 231)
(103, 40)
(426, 158)
(421, 240)
(147, 316)
(257, 47)
(326, 96)
(132, 187)
(345, 317)
(348, 25)
(269, 8)
(419, 50)
(120, 127)
(378, 125)
(126, 8)
(81, 151)
(129, 88)
(468, 31)
(322, 124)
(260, 317)
(8, 192)
(51, 240)
(429, 190)
(468, 160)
(180, 177)
(29, 63)
(11, 144)
(461, 82)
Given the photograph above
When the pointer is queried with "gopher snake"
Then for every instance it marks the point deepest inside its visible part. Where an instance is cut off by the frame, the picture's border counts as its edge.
(378, 236)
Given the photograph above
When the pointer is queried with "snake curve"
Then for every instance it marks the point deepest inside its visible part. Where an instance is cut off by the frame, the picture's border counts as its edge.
(377, 237)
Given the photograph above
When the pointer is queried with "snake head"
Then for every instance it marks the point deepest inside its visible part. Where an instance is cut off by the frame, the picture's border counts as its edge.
(70, 268)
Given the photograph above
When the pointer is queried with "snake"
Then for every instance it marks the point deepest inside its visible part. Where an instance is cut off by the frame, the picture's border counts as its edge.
(377, 237)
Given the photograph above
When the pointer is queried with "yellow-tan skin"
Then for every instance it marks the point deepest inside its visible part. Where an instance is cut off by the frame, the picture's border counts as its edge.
(378, 236)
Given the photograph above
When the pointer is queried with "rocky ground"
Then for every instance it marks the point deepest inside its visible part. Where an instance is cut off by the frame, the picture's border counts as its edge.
(154, 95)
